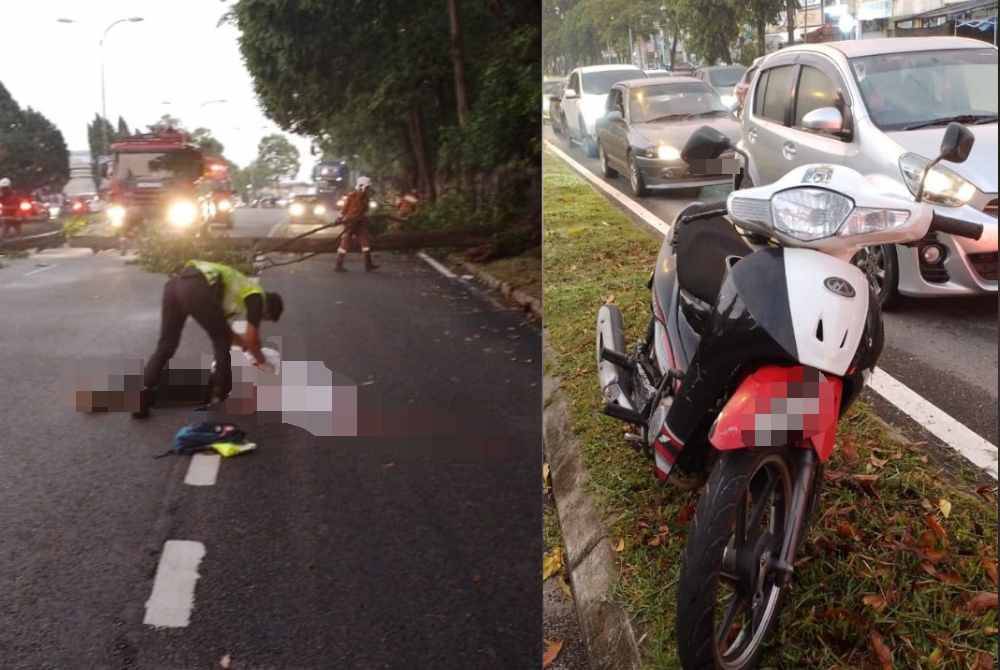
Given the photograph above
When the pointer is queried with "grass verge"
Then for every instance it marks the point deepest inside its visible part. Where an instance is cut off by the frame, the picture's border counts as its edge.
(900, 567)
(523, 272)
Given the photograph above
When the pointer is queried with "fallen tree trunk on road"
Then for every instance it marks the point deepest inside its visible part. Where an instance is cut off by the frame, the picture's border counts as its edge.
(39, 241)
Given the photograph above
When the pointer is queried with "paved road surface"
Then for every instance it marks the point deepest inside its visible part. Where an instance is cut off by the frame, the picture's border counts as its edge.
(945, 350)
(413, 545)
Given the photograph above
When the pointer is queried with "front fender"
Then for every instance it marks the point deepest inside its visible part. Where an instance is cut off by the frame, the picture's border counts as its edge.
(779, 406)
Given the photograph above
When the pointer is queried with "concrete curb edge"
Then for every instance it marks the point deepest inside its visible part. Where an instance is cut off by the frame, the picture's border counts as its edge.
(525, 301)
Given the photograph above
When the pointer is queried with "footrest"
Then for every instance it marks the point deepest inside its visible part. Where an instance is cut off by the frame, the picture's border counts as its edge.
(618, 412)
(621, 360)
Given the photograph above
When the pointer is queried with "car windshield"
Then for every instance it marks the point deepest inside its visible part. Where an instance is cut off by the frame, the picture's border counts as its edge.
(551, 87)
(927, 88)
(158, 165)
(725, 76)
(662, 101)
(599, 83)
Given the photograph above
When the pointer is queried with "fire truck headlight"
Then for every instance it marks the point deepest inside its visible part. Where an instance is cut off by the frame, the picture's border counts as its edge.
(225, 206)
(116, 216)
(182, 214)
(319, 210)
(297, 209)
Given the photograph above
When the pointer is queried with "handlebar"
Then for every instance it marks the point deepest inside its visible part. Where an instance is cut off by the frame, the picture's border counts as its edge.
(946, 224)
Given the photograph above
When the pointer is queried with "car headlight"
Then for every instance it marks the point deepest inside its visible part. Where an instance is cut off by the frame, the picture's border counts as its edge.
(942, 187)
(372, 205)
(297, 209)
(224, 206)
(340, 203)
(182, 214)
(809, 213)
(319, 210)
(665, 152)
(54, 211)
(116, 216)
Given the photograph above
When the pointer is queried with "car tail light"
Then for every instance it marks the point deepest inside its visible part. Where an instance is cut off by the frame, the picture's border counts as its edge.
(25, 206)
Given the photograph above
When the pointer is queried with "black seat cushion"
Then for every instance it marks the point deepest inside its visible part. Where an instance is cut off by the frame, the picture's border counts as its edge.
(702, 242)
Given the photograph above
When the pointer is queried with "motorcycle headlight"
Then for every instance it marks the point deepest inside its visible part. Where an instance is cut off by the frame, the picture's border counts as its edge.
(809, 214)
(116, 216)
(225, 205)
(297, 209)
(665, 152)
(942, 187)
(319, 210)
(182, 214)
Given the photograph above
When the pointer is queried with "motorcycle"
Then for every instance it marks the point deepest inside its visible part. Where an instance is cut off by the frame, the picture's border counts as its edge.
(761, 335)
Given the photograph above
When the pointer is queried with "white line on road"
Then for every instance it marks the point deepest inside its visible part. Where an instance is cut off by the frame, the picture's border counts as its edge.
(956, 435)
(41, 269)
(172, 599)
(203, 470)
(647, 216)
(979, 451)
(437, 266)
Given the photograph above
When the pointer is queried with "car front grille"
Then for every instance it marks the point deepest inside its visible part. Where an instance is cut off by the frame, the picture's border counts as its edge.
(935, 274)
(985, 264)
(991, 208)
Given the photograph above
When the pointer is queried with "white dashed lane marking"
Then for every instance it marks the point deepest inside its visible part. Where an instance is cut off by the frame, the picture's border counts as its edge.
(203, 470)
(172, 600)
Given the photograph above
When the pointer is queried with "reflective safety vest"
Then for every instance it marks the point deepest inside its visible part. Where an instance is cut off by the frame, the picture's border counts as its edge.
(236, 286)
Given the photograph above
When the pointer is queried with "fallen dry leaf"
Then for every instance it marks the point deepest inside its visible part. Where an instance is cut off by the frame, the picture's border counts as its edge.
(551, 563)
(982, 602)
(225, 662)
(984, 662)
(987, 493)
(929, 569)
(685, 514)
(990, 566)
(654, 541)
(620, 546)
(876, 602)
(936, 657)
(950, 578)
(881, 650)
(936, 526)
(877, 463)
(945, 507)
(552, 649)
(849, 452)
(867, 484)
(847, 531)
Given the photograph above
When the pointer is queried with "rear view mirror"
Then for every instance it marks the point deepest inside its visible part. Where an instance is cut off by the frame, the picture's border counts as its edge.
(707, 143)
(824, 120)
(956, 145)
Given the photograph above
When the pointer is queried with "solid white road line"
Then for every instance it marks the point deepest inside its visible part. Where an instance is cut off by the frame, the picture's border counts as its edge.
(437, 266)
(979, 451)
(41, 269)
(956, 435)
(203, 470)
(647, 216)
(172, 599)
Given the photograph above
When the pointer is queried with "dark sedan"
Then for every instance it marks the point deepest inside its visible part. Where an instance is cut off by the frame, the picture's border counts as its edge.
(647, 124)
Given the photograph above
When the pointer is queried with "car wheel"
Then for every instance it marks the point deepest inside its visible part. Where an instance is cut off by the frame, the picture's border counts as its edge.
(606, 169)
(881, 267)
(635, 180)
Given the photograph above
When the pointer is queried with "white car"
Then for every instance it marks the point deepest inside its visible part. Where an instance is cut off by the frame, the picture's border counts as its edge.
(585, 98)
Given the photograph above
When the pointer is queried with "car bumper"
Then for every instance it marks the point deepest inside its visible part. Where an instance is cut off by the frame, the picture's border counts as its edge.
(664, 174)
(969, 268)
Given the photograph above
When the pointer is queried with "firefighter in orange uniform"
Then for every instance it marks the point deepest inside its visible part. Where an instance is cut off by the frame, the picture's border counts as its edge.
(354, 216)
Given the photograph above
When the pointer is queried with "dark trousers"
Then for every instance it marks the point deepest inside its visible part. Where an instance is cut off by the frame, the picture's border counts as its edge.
(359, 231)
(191, 295)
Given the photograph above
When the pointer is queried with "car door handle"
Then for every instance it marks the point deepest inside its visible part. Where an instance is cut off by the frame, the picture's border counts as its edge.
(788, 150)
(752, 135)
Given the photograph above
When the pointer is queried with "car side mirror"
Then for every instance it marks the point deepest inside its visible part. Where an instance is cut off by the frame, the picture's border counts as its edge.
(571, 94)
(956, 145)
(706, 143)
(824, 120)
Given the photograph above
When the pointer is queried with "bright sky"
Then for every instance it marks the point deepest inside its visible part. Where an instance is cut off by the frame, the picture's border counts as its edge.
(171, 62)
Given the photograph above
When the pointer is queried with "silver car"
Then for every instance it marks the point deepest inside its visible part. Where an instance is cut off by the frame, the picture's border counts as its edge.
(881, 107)
(647, 124)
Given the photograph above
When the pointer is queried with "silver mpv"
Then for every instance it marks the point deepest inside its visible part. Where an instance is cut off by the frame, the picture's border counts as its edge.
(881, 107)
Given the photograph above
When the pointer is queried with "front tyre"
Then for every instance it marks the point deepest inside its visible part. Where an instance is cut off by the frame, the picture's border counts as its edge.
(729, 593)
(606, 168)
(635, 180)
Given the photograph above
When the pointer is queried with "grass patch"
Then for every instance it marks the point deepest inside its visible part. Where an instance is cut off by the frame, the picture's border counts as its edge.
(882, 555)
(523, 272)
(167, 254)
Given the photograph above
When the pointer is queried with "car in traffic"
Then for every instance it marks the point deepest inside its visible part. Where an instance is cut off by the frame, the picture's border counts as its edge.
(309, 209)
(743, 85)
(682, 69)
(584, 100)
(723, 78)
(551, 88)
(647, 124)
(881, 107)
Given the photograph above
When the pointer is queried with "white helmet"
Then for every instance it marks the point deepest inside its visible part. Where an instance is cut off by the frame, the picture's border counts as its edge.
(363, 182)
(5, 183)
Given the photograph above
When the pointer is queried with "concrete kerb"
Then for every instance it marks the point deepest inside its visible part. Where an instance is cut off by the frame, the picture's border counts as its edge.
(591, 564)
(525, 301)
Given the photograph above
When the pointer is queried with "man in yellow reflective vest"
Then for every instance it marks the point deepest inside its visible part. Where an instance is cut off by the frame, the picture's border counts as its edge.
(213, 294)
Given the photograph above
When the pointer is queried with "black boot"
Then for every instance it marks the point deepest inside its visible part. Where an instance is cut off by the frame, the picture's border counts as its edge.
(145, 402)
(369, 266)
(339, 267)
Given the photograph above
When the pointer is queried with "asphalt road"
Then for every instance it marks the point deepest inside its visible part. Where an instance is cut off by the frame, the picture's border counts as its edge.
(415, 544)
(944, 349)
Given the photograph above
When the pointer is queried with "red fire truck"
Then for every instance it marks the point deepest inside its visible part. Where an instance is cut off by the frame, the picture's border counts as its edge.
(156, 180)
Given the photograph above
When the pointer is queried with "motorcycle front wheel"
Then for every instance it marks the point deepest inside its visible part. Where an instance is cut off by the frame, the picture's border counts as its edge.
(729, 592)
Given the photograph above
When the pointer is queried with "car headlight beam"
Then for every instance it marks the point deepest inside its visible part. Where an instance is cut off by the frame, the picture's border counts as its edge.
(182, 214)
(297, 209)
(319, 210)
(942, 186)
(665, 152)
(116, 216)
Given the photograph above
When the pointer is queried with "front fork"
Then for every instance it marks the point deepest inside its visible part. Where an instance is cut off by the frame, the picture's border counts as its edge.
(808, 477)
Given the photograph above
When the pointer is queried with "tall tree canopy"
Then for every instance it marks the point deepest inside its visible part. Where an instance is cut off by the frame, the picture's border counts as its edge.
(33, 153)
(277, 158)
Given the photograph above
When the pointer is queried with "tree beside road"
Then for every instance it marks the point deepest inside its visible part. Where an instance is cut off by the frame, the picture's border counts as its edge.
(33, 153)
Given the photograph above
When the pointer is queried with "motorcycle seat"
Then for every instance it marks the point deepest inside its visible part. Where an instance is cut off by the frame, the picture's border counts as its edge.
(704, 243)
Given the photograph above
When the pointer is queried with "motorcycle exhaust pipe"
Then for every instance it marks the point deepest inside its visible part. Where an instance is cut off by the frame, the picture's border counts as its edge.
(611, 358)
